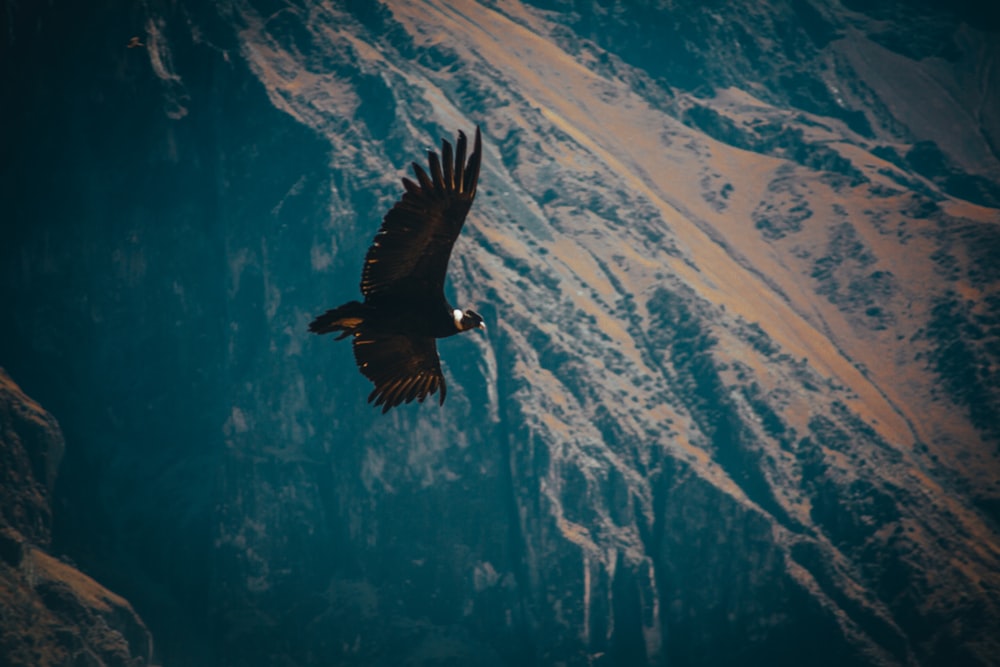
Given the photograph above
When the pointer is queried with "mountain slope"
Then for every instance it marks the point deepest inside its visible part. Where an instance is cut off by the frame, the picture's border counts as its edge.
(53, 614)
(738, 397)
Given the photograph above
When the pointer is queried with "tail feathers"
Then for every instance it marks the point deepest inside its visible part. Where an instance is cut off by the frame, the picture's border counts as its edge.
(345, 319)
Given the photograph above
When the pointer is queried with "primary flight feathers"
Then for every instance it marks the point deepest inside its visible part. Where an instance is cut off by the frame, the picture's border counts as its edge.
(416, 237)
(404, 308)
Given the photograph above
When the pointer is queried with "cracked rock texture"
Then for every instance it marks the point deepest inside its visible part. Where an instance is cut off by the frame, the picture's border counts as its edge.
(52, 613)
(738, 401)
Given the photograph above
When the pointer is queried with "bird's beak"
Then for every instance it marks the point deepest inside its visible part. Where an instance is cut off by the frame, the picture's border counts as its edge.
(482, 325)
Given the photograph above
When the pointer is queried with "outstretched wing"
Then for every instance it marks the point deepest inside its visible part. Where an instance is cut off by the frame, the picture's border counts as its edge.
(400, 367)
(411, 249)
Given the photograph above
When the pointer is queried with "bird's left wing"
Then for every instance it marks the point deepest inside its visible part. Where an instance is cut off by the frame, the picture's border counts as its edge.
(411, 250)
(401, 368)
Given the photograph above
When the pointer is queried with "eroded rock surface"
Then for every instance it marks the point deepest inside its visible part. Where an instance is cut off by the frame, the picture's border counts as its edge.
(52, 613)
(738, 400)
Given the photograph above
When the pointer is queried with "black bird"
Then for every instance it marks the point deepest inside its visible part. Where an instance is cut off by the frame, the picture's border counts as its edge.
(403, 282)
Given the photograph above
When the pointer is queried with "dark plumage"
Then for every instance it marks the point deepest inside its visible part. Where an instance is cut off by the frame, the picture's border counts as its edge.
(404, 306)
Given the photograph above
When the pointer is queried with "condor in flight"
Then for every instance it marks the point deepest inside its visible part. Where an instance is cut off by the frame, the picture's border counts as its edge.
(403, 282)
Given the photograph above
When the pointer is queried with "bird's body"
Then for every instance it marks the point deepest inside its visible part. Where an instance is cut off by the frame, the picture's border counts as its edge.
(414, 317)
(404, 309)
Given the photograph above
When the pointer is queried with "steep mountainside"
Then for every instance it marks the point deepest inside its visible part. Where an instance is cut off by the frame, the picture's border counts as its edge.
(738, 401)
(52, 613)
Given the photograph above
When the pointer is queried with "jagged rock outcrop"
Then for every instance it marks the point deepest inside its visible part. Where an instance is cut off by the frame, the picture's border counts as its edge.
(738, 401)
(52, 614)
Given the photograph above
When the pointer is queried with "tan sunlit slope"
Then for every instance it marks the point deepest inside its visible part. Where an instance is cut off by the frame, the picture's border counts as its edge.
(680, 323)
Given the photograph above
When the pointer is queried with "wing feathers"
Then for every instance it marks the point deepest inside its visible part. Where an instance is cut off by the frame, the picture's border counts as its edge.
(412, 248)
(425, 182)
(471, 175)
(449, 165)
(411, 187)
(435, 162)
(460, 162)
(401, 368)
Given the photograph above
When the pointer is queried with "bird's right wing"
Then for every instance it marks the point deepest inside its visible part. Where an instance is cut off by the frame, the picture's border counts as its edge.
(400, 367)
(411, 250)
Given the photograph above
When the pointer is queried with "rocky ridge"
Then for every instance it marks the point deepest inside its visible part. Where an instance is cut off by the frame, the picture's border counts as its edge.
(52, 613)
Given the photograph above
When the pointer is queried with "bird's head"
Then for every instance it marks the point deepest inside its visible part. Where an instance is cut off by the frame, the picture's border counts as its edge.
(470, 319)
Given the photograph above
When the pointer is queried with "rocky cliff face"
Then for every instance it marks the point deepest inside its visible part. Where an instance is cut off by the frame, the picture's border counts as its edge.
(738, 401)
(52, 613)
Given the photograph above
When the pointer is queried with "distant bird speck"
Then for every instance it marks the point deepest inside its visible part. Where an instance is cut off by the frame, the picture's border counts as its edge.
(404, 308)
(134, 43)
